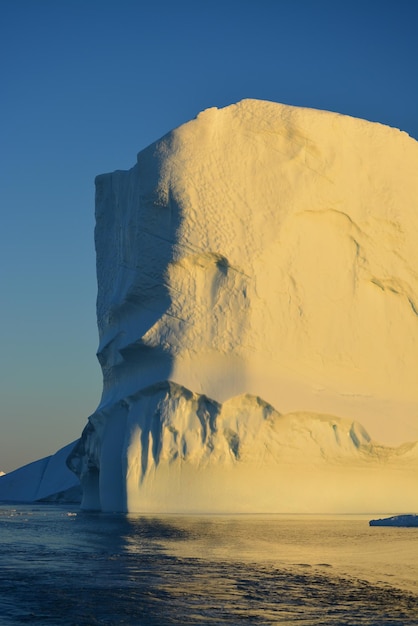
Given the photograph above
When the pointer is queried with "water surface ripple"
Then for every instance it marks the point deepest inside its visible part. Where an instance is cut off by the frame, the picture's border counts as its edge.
(60, 566)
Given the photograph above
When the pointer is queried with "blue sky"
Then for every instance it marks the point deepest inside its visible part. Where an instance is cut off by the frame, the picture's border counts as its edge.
(86, 84)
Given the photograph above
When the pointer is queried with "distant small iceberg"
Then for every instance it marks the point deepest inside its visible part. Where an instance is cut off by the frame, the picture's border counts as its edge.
(406, 521)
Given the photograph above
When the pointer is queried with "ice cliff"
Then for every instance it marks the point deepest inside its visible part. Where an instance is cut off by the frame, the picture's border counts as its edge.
(257, 276)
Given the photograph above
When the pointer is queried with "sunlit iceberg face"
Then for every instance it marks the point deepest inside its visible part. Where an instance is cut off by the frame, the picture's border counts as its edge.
(262, 250)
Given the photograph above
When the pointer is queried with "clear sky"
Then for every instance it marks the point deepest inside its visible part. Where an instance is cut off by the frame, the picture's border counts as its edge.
(85, 85)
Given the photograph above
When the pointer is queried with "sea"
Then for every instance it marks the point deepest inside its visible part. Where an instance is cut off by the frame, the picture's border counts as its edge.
(62, 566)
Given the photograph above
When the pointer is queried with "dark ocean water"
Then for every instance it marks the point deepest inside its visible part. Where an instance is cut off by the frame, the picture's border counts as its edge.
(64, 567)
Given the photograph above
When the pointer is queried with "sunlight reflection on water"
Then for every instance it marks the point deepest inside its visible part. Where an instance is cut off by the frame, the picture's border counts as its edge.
(344, 543)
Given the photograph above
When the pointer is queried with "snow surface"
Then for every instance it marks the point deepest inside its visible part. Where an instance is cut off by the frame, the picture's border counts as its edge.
(257, 276)
(258, 251)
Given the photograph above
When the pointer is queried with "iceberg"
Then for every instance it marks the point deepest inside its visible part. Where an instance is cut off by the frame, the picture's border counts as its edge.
(257, 311)
(45, 480)
(256, 277)
(402, 521)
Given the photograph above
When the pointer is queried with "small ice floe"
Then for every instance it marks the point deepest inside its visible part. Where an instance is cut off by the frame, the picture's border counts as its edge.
(396, 520)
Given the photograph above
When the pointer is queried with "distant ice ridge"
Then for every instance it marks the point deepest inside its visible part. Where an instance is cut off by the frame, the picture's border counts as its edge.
(258, 251)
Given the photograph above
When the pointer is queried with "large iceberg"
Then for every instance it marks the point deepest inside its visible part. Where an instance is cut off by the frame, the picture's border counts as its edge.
(257, 302)
(256, 276)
